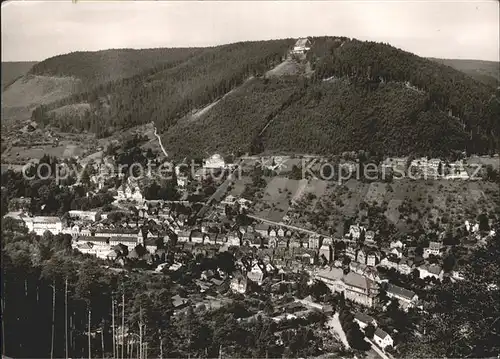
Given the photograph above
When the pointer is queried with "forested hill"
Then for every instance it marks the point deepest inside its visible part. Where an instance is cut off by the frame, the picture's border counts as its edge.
(487, 72)
(352, 96)
(98, 67)
(168, 91)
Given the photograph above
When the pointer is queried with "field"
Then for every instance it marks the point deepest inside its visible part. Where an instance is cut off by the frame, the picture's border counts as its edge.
(277, 198)
(23, 154)
(406, 204)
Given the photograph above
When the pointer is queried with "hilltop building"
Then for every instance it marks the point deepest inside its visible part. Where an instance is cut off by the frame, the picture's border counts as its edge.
(302, 46)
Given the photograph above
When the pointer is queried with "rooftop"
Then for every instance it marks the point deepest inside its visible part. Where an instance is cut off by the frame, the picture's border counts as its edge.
(330, 273)
(402, 292)
(380, 333)
(357, 280)
(362, 317)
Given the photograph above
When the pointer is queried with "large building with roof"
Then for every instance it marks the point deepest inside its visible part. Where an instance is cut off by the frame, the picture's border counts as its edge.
(356, 287)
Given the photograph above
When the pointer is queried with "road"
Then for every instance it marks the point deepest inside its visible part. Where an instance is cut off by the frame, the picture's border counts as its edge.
(300, 229)
(378, 350)
(219, 192)
(161, 145)
(336, 329)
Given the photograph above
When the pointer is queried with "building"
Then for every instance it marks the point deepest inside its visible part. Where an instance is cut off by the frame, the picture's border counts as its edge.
(262, 229)
(435, 248)
(355, 231)
(239, 284)
(361, 257)
(327, 251)
(371, 259)
(369, 237)
(355, 287)
(382, 339)
(314, 241)
(390, 261)
(301, 46)
(406, 298)
(40, 224)
(351, 253)
(405, 266)
(364, 320)
(360, 289)
(397, 244)
(233, 239)
(431, 270)
(85, 215)
(131, 191)
(256, 274)
(196, 237)
(183, 236)
(215, 162)
(396, 252)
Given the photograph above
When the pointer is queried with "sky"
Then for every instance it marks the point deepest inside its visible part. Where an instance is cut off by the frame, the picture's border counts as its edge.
(36, 30)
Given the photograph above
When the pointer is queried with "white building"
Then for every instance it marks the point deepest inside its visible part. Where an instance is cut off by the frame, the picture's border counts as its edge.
(364, 320)
(301, 46)
(214, 162)
(405, 297)
(435, 248)
(130, 191)
(84, 215)
(256, 274)
(239, 284)
(355, 230)
(39, 224)
(382, 339)
(432, 270)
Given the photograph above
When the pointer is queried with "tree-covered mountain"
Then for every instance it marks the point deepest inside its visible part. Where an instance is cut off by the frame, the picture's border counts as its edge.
(93, 68)
(356, 95)
(167, 92)
(487, 72)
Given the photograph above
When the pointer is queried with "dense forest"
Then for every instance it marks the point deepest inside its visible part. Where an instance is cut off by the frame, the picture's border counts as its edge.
(164, 94)
(374, 91)
(340, 115)
(487, 72)
(232, 125)
(472, 102)
(99, 67)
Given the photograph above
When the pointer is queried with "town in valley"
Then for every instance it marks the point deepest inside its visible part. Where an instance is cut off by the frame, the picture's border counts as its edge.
(318, 197)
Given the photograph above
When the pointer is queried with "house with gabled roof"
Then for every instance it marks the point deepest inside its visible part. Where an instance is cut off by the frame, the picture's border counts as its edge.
(302, 46)
(364, 320)
(382, 339)
(406, 298)
(431, 270)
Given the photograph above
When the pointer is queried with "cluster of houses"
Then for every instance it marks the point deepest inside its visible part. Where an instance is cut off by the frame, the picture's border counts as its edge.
(381, 338)
(430, 168)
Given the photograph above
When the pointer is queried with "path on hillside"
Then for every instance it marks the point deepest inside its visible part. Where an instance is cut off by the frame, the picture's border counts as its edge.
(336, 329)
(161, 145)
(220, 191)
(295, 96)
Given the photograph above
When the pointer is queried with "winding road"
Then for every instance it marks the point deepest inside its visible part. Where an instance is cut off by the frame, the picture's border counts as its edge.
(161, 145)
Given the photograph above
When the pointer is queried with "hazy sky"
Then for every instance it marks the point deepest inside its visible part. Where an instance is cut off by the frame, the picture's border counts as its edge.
(452, 29)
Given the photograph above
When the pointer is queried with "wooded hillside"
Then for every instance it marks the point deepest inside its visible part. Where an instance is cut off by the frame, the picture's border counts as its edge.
(377, 97)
